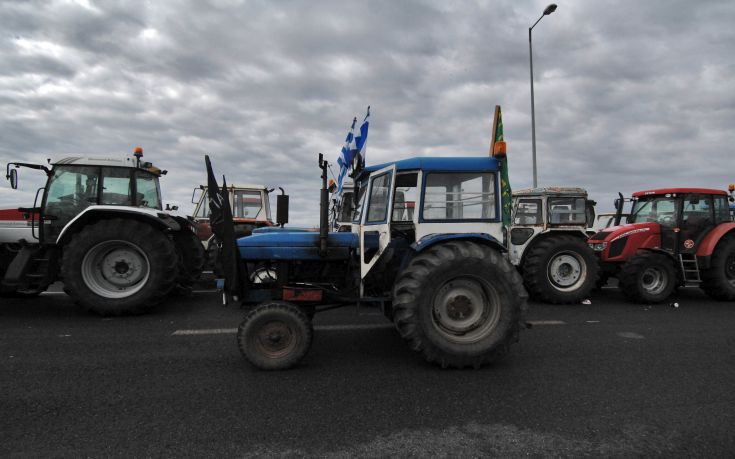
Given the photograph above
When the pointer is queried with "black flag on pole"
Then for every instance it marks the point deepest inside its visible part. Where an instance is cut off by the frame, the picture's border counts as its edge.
(224, 230)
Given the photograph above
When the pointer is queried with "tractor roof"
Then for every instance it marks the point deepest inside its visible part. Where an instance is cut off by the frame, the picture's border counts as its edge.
(552, 190)
(443, 164)
(245, 186)
(663, 191)
(97, 161)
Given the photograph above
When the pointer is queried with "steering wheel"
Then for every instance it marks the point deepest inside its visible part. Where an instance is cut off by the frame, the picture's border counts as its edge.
(667, 219)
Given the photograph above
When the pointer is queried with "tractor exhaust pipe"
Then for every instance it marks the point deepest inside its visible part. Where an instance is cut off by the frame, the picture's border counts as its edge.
(323, 209)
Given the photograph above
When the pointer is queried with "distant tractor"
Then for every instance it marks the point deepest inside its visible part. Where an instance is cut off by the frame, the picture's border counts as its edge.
(673, 237)
(548, 243)
(251, 209)
(99, 227)
(438, 273)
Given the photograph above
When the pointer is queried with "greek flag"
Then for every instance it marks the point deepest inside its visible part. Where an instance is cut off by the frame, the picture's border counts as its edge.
(358, 153)
(345, 157)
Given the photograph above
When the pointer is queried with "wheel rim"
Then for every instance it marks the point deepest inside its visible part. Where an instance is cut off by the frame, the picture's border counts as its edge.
(275, 339)
(654, 280)
(115, 269)
(566, 271)
(465, 310)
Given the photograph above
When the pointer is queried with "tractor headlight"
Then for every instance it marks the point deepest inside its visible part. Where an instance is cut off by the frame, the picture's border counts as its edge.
(598, 246)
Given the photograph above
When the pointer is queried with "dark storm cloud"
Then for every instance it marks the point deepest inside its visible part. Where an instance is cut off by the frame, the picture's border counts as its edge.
(629, 95)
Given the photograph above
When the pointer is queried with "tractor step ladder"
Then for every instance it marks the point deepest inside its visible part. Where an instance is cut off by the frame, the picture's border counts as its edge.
(36, 279)
(689, 268)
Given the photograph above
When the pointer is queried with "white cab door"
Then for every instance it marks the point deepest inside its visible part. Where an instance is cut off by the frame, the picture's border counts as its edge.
(375, 221)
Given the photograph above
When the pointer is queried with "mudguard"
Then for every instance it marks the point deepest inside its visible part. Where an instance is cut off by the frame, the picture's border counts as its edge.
(432, 239)
(154, 216)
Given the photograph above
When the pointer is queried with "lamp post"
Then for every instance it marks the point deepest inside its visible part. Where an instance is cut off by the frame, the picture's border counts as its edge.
(547, 11)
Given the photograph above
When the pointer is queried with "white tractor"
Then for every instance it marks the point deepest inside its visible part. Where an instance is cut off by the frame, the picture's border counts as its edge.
(548, 243)
(100, 228)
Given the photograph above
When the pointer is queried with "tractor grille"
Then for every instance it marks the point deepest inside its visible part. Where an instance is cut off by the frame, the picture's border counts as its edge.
(617, 246)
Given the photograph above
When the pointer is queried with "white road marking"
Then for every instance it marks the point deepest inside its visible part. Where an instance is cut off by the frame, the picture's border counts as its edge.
(630, 335)
(227, 331)
(592, 321)
(546, 322)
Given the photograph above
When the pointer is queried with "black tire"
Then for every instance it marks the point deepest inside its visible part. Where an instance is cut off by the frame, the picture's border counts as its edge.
(440, 286)
(145, 270)
(718, 281)
(560, 269)
(191, 257)
(648, 277)
(275, 335)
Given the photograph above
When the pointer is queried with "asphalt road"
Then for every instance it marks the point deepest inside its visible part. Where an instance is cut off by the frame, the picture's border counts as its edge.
(605, 379)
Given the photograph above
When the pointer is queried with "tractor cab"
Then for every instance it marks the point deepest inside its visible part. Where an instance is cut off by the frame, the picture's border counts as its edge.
(76, 183)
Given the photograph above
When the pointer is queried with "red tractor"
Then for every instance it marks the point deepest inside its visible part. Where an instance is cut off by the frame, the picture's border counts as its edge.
(673, 237)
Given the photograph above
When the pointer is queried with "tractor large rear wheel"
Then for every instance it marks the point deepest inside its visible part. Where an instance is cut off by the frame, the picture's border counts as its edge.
(117, 266)
(648, 277)
(718, 281)
(560, 269)
(459, 304)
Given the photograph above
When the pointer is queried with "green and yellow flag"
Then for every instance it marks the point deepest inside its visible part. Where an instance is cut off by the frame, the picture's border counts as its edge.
(497, 150)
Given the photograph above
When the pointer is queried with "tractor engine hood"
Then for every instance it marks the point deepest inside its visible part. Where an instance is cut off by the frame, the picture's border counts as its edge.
(617, 232)
(282, 244)
(618, 243)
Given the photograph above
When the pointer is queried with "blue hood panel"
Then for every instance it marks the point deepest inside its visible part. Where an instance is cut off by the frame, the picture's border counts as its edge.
(295, 245)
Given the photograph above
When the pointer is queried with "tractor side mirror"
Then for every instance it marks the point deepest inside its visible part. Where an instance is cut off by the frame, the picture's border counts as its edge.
(282, 208)
(13, 177)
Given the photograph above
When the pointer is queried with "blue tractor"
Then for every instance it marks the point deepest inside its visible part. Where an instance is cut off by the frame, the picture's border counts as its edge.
(426, 246)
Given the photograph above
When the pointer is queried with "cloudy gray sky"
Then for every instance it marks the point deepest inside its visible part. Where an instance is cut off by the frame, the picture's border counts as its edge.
(629, 94)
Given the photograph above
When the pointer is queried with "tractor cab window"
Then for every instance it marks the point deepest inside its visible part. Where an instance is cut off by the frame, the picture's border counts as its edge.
(202, 210)
(71, 189)
(459, 196)
(405, 197)
(721, 209)
(147, 191)
(247, 204)
(567, 211)
(659, 209)
(379, 197)
(697, 215)
(528, 212)
(346, 206)
(116, 186)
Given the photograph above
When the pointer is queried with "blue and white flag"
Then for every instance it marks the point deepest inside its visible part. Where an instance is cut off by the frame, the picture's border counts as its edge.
(345, 157)
(359, 151)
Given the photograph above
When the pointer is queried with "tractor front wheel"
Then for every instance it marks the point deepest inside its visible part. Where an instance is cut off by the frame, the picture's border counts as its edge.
(459, 304)
(560, 269)
(117, 266)
(648, 277)
(718, 281)
(275, 335)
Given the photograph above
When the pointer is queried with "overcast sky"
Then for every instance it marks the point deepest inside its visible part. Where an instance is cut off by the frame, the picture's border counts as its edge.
(629, 95)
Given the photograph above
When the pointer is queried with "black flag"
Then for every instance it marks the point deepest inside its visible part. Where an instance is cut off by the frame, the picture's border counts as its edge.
(224, 230)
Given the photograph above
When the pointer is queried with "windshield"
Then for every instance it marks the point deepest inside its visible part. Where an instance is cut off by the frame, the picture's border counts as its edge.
(658, 209)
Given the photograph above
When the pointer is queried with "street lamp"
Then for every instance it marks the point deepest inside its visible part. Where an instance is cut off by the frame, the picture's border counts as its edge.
(547, 11)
